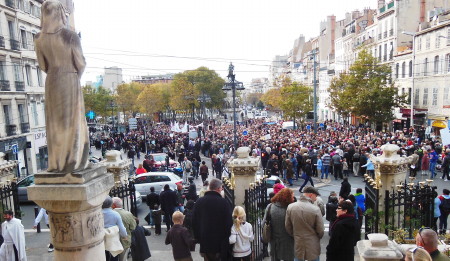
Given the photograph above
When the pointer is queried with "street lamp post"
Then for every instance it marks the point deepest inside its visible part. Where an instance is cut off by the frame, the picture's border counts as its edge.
(315, 93)
(412, 70)
(203, 99)
(233, 85)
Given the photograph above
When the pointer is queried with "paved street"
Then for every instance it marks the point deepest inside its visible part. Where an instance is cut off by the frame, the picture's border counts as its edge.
(36, 243)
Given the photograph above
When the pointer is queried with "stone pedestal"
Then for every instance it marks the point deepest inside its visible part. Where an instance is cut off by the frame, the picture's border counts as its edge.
(378, 248)
(243, 169)
(7, 173)
(117, 166)
(73, 202)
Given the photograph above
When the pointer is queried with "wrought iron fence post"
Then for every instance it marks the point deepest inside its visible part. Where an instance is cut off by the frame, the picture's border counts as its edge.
(386, 212)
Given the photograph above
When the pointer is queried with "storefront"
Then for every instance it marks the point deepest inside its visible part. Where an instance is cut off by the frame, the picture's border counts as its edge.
(40, 149)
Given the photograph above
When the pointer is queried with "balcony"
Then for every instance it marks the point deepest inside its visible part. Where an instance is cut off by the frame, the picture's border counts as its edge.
(25, 127)
(4, 85)
(15, 45)
(11, 130)
(10, 3)
(20, 86)
(2, 42)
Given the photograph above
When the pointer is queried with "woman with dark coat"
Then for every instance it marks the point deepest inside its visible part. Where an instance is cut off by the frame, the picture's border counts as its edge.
(281, 243)
(169, 201)
(344, 233)
(139, 247)
(346, 189)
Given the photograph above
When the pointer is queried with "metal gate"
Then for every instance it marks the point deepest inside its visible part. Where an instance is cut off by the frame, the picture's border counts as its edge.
(127, 192)
(228, 191)
(9, 199)
(371, 216)
(409, 207)
(256, 200)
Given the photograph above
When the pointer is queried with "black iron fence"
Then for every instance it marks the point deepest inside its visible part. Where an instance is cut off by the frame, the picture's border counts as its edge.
(127, 192)
(9, 199)
(409, 207)
(256, 200)
(228, 191)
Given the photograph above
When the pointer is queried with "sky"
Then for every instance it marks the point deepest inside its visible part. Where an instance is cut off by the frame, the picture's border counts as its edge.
(149, 37)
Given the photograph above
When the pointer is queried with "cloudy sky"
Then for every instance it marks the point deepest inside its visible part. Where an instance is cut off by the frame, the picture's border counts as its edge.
(148, 37)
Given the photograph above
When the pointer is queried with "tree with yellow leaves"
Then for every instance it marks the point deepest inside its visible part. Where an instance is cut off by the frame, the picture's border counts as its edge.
(272, 98)
(151, 99)
(127, 95)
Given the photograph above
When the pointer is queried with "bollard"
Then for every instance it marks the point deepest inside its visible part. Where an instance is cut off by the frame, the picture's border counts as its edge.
(36, 212)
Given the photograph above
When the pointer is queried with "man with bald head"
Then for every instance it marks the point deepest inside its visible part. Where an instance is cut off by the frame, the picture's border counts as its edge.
(428, 239)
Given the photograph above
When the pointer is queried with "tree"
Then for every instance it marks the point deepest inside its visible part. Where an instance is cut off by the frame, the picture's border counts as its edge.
(151, 99)
(127, 95)
(97, 100)
(296, 102)
(272, 98)
(204, 81)
(253, 98)
(366, 90)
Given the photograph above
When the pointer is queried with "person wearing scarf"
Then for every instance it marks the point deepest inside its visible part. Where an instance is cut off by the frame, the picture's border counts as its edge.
(344, 233)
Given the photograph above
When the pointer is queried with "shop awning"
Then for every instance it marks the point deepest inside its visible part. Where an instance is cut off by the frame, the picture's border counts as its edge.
(439, 124)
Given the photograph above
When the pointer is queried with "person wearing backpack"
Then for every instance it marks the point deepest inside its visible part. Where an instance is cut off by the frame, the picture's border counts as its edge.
(445, 211)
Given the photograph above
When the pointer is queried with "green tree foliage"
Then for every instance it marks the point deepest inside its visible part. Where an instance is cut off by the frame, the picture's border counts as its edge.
(153, 98)
(97, 100)
(297, 100)
(127, 95)
(366, 90)
(272, 98)
(201, 81)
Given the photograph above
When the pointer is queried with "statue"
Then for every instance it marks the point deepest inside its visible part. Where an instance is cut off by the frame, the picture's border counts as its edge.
(59, 54)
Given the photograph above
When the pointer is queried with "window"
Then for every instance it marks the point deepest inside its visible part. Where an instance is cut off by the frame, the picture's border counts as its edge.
(23, 37)
(18, 73)
(2, 71)
(427, 42)
(39, 76)
(21, 5)
(419, 43)
(435, 96)
(397, 66)
(35, 113)
(6, 113)
(403, 69)
(12, 34)
(410, 69)
(379, 53)
(28, 74)
(22, 114)
(385, 52)
(438, 41)
(436, 64)
(416, 97)
(391, 51)
(425, 96)
(446, 101)
(447, 62)
(425, 67)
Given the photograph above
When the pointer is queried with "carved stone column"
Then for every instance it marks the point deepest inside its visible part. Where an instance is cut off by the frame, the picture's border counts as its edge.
(117, 166)
(243, 169)
(73, 202)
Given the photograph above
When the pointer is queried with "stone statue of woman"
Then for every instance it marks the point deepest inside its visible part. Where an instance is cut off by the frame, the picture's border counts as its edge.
(59, 54)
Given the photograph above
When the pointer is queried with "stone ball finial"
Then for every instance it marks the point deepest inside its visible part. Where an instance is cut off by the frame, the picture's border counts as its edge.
(389, 150)
(243, 152)
(112, 156)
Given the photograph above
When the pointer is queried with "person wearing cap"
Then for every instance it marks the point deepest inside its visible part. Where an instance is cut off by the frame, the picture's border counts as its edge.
(344, 233)
(305, 224)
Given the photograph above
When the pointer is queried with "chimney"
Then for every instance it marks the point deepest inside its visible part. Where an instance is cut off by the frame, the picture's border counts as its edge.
(422, 10)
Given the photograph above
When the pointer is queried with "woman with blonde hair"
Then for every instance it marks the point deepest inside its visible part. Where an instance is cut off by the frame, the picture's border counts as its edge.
(241, 235)
(417, 254)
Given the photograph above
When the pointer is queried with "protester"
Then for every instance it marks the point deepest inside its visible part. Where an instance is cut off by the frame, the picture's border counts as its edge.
(180, 239)
(153, 203)
(212, 223)
(277, 186)
(169, 202)
(43, 213)
(13, 247)
(304, 223)
(204, 171)
(139, 247)
(113, 229)
(129, 223)
(140, 169)
(346, 189)
(308, 175)
(344, 233)
(445, 210)
(241, 235)
(331, 206)
(428, 239)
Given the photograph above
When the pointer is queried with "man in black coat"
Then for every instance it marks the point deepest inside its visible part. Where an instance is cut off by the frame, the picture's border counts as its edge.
(139, 246)
(153, 203)
(168, 199)
(346, 189)
(212, 223)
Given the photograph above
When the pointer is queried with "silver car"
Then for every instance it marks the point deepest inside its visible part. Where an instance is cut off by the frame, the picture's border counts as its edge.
(158, 180)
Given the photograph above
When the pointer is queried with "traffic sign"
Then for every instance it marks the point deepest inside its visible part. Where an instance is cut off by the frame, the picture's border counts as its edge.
(91, 115)
(132, 122)
(321, 125)
(14, 148)
(245, 133)
(308, 127)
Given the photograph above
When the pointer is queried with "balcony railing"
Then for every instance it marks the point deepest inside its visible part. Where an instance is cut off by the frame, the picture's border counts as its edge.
(10, 3)
(25, 127)
(391, 32)
(390, 5)
(15, 45)
(11, 130)
(4, 85)
(20, 86)
(2, 42)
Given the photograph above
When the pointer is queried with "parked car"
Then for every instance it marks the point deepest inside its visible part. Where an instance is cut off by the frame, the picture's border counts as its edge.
(158, 180)
(138, 199)
(22, 187)
(270, 181)
(160, 161)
